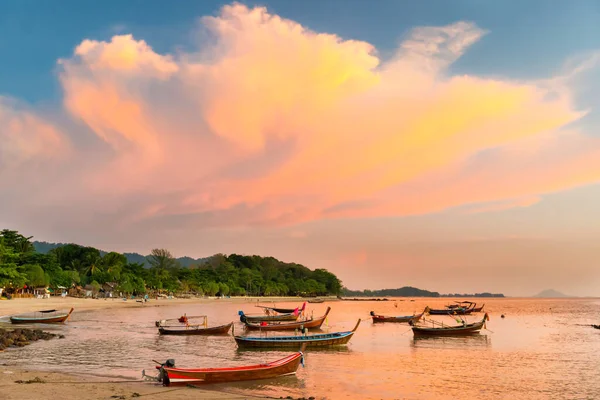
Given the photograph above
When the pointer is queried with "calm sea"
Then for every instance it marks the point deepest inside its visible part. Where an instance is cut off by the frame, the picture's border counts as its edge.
(542, 349)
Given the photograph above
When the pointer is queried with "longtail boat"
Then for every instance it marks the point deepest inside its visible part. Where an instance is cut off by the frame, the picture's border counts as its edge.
(440, 329)
(195, 329)
(314, 323)
(280, 310)
(596, 326)
(316, 300)
(403, 318)
(42, 317)
(455, 310)
(285, 366)
(270, 316)
(184, 319)
(317, 340)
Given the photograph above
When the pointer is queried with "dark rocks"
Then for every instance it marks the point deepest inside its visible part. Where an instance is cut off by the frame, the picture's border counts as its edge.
(22, 337)
(34, 380)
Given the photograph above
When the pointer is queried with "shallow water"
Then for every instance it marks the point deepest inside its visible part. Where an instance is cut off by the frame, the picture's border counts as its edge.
(543, 349)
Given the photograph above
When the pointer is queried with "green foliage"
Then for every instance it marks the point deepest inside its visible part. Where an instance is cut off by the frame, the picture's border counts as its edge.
(36, 277)
(234, 274)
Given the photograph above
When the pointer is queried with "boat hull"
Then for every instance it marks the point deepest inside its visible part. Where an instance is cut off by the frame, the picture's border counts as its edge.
(309, 324)
(451, 312)
(215, 330)
(269, 318)
(465, 330)
(407, 318)
(325, 340)
(312, 341)
(285, 366)
(56, 318)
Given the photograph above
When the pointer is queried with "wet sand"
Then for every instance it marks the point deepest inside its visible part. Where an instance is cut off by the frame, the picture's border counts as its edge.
(39, 384)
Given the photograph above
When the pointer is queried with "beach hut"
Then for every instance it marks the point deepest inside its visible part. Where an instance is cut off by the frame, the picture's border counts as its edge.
(41, 292)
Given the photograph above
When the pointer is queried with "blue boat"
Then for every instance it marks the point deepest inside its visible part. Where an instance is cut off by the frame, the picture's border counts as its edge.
(316, 340)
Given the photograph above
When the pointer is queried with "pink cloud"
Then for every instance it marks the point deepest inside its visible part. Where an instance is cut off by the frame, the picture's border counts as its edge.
(271, 123)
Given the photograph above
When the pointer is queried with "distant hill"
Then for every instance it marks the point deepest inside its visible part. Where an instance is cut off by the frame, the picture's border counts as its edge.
(45, 247)
(406, 291)
(409, 291)
(551, 293)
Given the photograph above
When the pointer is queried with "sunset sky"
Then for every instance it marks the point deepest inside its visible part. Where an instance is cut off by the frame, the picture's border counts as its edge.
(451, 146)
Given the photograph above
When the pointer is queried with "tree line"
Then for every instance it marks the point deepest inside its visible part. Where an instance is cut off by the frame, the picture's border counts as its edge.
(237, 275)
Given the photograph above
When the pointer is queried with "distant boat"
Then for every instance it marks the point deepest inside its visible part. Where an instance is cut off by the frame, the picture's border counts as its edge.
(404, 318)
(596, 326)
(314, 323)
(42, 317)
(439, 329)
(195, 330)
(285, 366)
(463, 308)
(317, 340)
(316, 300)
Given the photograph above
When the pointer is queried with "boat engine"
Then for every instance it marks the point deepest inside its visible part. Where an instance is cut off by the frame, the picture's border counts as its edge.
(162, 376)
(243, 318)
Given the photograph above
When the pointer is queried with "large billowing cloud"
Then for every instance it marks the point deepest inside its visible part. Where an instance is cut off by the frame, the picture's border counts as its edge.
(269, 123)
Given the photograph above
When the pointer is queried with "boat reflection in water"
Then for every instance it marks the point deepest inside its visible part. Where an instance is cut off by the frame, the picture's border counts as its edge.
(455, 342)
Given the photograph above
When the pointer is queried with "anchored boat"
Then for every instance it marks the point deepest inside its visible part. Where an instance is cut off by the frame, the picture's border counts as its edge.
(314, 323)
(42, 317)
(440, 329)
(404, 318)
(170, 375)
(317, 340)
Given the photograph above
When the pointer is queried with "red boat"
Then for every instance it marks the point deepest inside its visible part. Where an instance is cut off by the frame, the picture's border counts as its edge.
(285, 366)
(313, 323)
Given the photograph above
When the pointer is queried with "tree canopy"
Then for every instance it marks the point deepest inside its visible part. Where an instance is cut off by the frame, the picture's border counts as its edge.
(220, 274)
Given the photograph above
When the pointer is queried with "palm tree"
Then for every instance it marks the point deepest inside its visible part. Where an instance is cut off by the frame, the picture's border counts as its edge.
(94, 266)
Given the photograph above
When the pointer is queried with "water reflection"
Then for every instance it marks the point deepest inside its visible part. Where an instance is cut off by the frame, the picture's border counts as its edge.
(289, 350)
(449, 342)
(536, 351)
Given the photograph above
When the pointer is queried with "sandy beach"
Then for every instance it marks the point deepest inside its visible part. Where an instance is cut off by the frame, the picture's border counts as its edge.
(20, 384)
(16, 306)
(33, 385)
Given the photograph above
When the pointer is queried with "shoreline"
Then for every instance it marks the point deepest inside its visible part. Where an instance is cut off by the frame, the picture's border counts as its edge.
(26, 384)
(25, 305)
(36, 384)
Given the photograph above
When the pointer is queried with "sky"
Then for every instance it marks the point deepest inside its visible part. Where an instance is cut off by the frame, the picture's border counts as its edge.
(450, 146)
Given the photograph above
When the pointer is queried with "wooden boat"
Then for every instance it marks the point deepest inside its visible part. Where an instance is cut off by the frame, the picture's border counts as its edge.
(455, 310)
(405, 318)
(317, 340)
(316, 300)
(281, 310)
(271, 316)
(285, 366)
(195, 330)
(42, 317)
(439, 329)
(313, 323)
(184, 319)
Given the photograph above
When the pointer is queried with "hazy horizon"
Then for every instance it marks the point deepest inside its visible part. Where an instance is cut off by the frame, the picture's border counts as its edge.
(453, 148)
